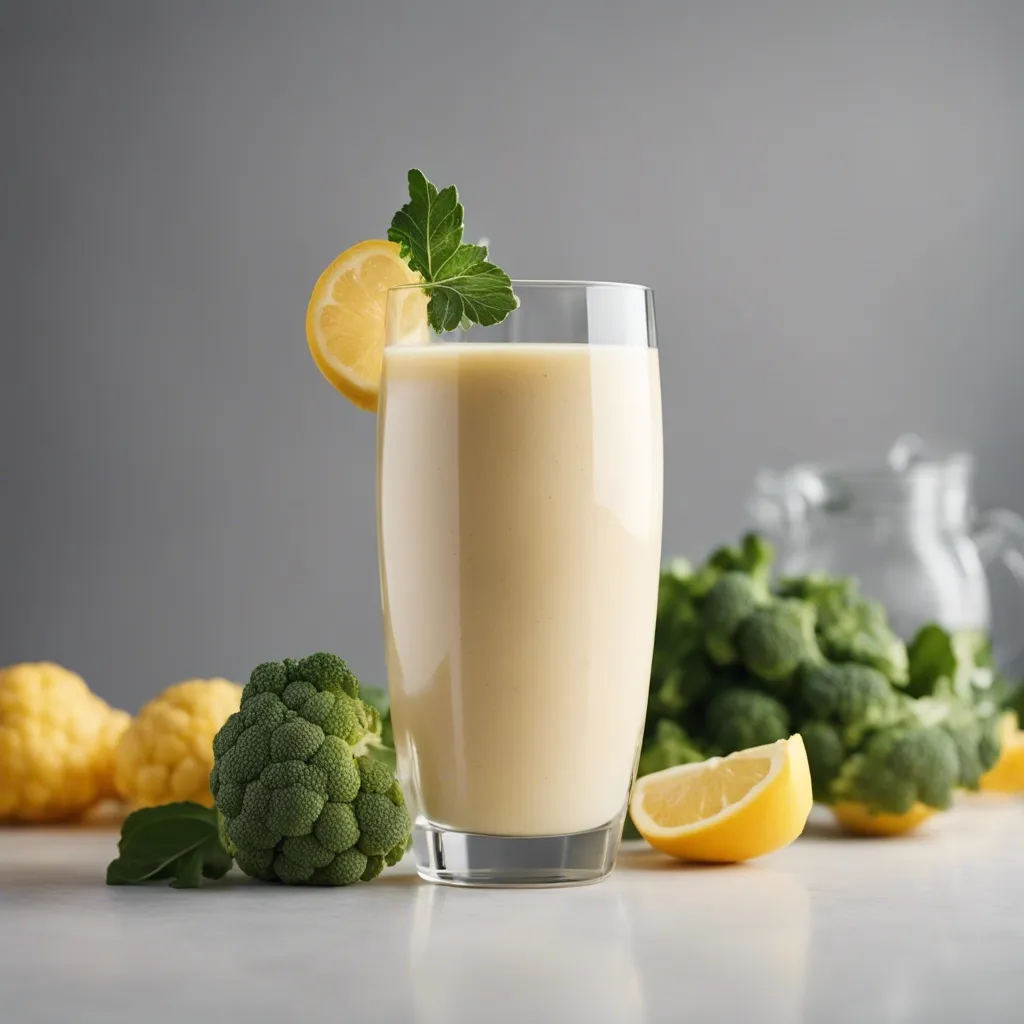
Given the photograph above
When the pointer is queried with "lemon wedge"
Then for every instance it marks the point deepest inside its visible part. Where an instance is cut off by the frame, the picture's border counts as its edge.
(345, 317)
(726, 809)
(856, 818)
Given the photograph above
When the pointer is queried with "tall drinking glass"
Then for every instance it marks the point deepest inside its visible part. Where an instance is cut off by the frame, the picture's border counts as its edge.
(519, 524)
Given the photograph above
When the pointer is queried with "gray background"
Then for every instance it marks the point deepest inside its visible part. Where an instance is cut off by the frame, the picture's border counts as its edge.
(826, 199)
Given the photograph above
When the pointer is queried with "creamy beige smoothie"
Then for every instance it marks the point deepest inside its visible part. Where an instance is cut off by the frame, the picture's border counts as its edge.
(519, 503)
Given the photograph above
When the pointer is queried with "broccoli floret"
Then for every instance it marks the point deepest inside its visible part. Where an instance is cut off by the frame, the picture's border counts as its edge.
(756, 556)
(674, 599)
(680, 688)
(677, 626)
(976, 737)
(825, 756)
(978, 744)
(850, 627)
(887, 654)
(724, 558)
(702, 580)
(830, 595)
(738, 718)
(299, 805)
(860, 633)
(753, 557)
(967, 739)
(680, 568)
(670, 745)
(674, 642)
(726, 605)
(774, 641)
(853, 697)
(898, 767)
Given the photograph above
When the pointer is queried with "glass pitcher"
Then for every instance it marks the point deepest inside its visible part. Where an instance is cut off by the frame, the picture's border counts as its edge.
(907, 529)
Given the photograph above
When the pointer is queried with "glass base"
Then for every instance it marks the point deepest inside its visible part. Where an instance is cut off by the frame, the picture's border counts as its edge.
(511, 862)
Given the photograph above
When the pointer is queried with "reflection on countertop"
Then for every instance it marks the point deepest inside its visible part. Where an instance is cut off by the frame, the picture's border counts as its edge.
(924, 928)
(562, 955)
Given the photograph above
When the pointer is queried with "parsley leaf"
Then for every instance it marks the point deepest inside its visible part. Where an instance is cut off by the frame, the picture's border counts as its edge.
(464, 288)
(176, 841)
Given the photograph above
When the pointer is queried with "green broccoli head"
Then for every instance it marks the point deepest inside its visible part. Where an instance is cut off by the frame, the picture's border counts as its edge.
(757, 554)
(830, 595)
(860, 633)
(675, 604)
(977, 742)
(738, 718)
(966, 737)
(826, 753)
(680, 688)
(668, 747)
(753, 557)
(853, 697)
(850, 627)
(726, 605)
(298, 804)
(676, 630)
(898, 767)
(976, 737)
(702, 580)
(773, 642)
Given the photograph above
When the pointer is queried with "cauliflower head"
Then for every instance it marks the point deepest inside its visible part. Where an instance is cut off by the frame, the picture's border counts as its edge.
(167, 752)
(298, 803)
(57, 742)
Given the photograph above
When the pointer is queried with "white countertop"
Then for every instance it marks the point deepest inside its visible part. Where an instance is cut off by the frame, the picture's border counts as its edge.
(924, 928)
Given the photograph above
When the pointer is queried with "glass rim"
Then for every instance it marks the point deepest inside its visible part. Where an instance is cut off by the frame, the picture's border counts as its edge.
(541, 283)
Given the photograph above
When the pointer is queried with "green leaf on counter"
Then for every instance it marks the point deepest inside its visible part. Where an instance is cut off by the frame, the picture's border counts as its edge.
(178, 842)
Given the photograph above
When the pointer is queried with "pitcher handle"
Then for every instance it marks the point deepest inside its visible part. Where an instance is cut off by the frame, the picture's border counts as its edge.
(999, 536)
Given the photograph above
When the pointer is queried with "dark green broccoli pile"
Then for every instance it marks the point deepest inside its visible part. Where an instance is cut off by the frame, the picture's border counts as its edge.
(739, 663)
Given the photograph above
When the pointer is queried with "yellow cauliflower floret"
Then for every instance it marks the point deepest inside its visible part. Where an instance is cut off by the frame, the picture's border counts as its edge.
(57, 742)
(167, 753)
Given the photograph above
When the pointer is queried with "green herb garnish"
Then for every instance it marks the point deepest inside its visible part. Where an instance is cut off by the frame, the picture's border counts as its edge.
(464, 288)
(176, 841)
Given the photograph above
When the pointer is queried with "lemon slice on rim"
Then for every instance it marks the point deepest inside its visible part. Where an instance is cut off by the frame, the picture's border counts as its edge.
(726, 809)
(345, 317)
